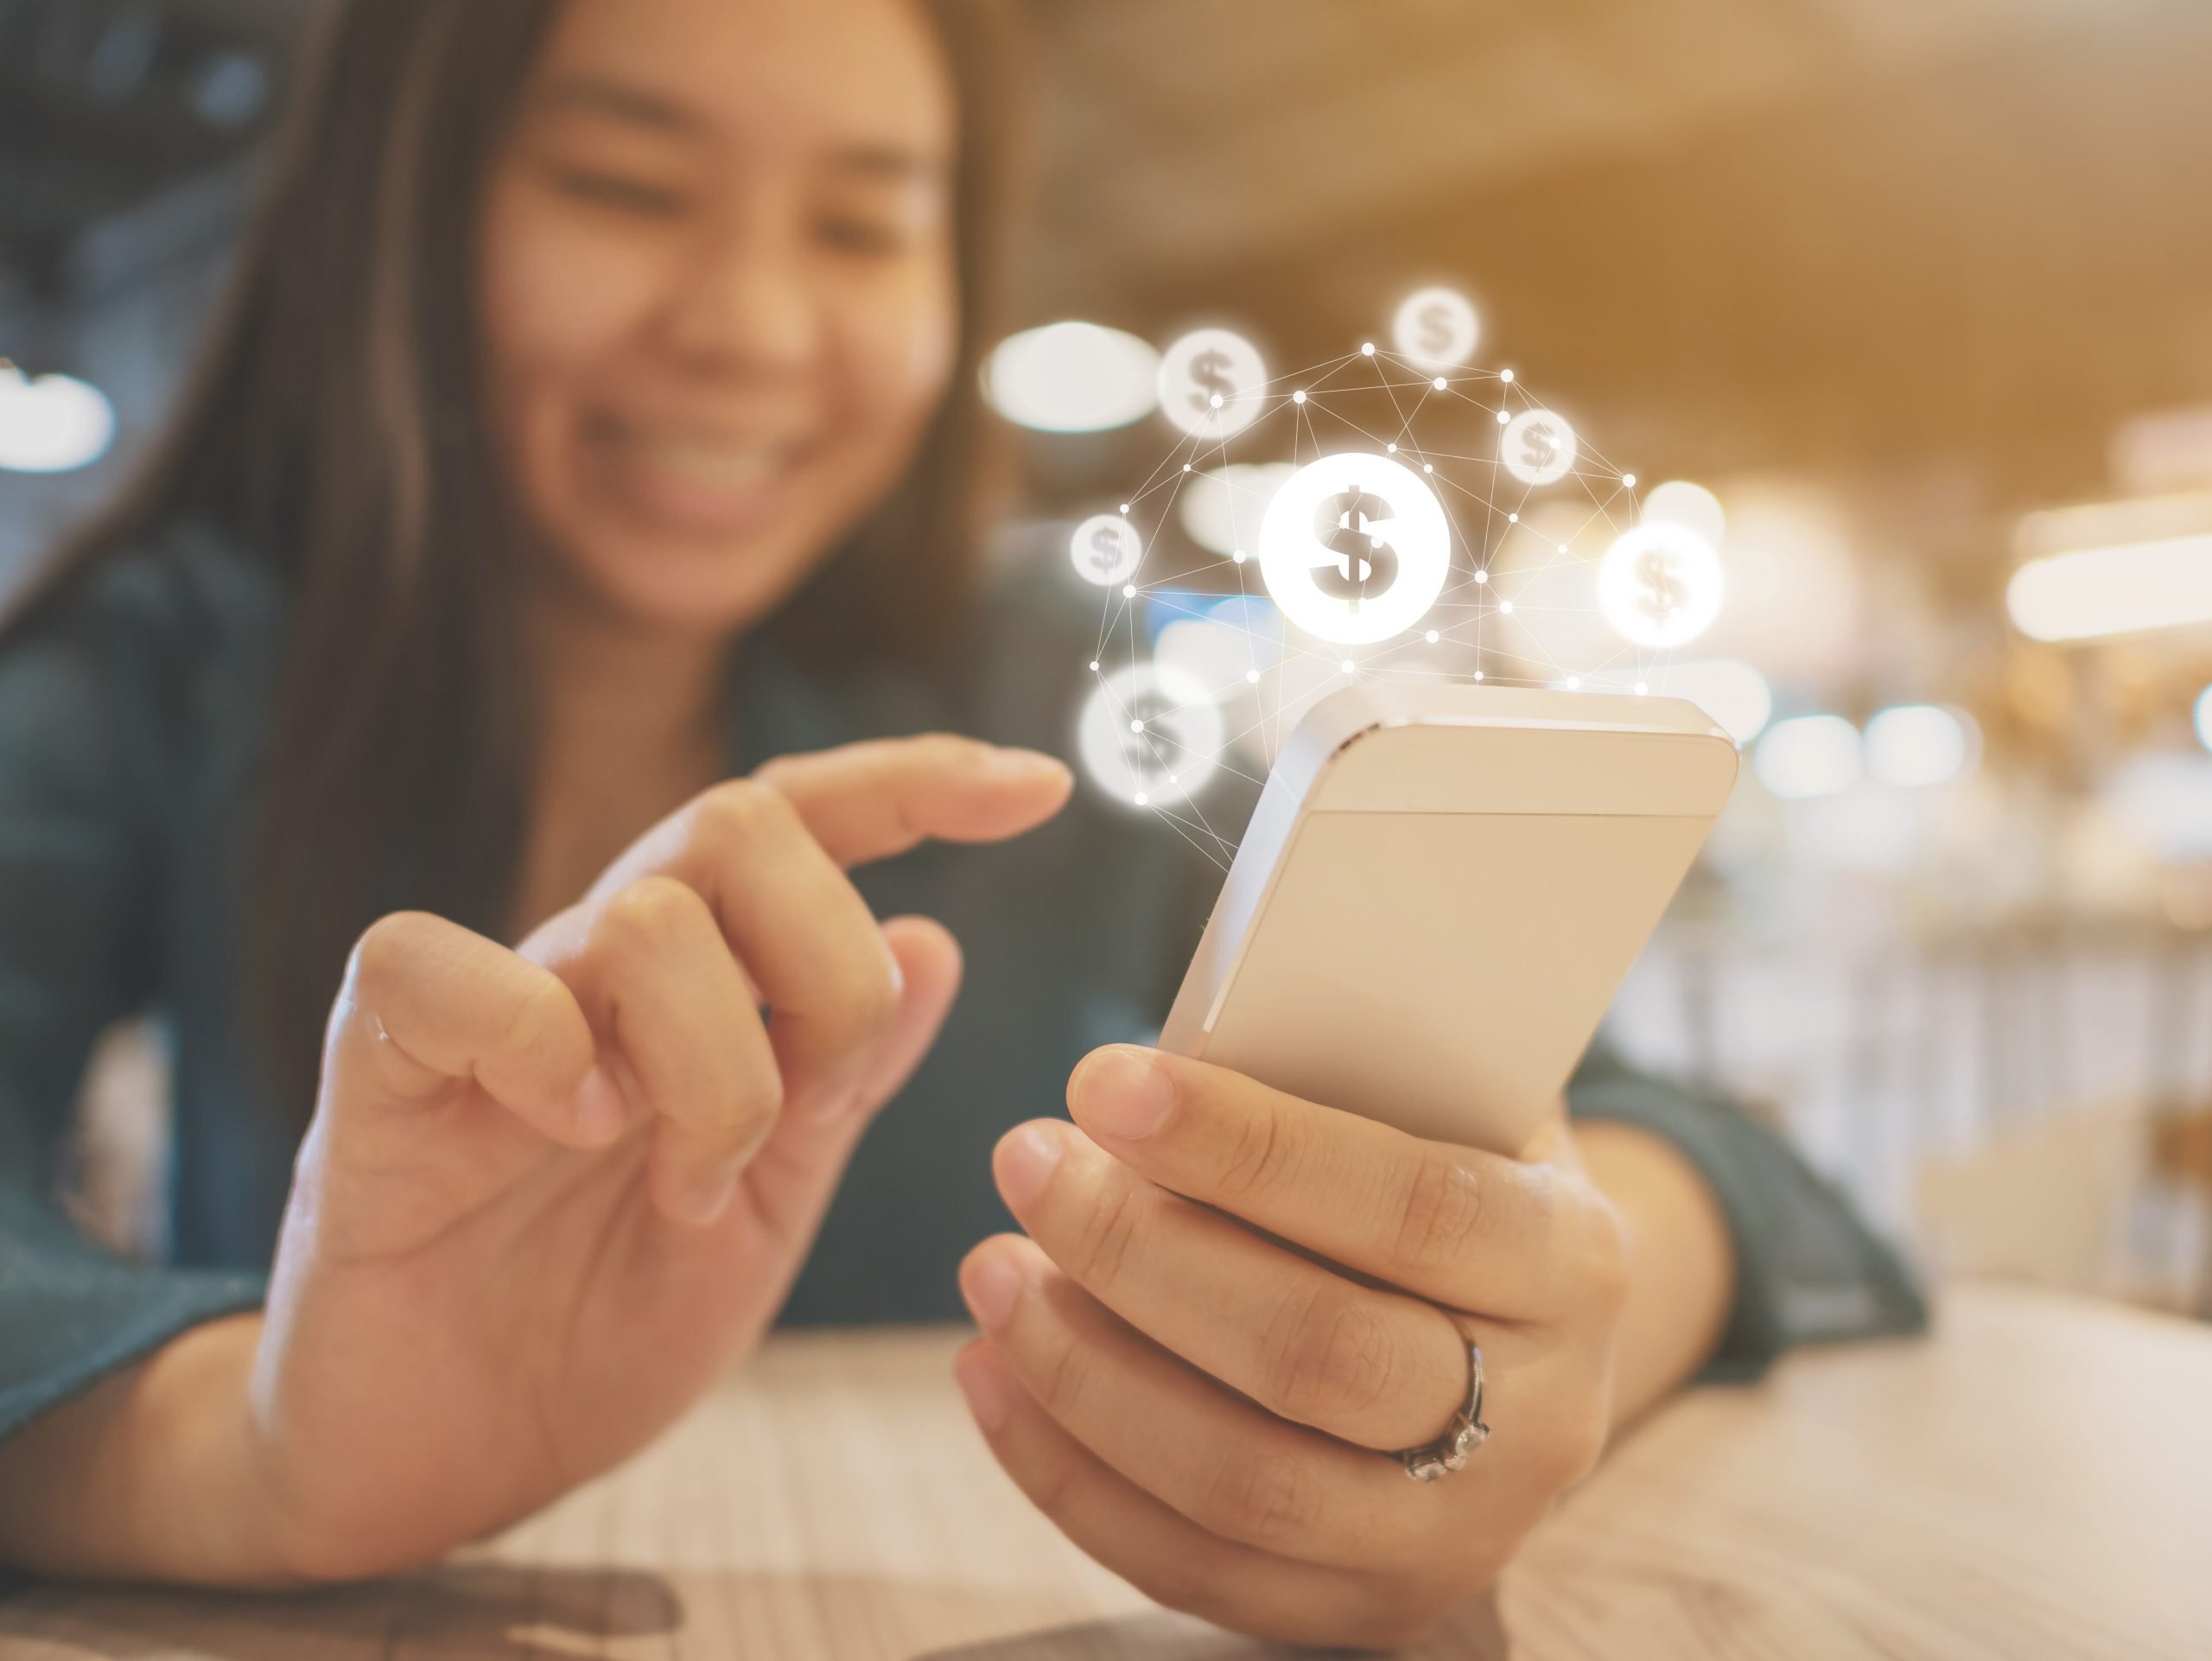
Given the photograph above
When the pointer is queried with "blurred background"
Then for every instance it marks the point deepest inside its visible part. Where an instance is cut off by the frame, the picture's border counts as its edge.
(1919, 291)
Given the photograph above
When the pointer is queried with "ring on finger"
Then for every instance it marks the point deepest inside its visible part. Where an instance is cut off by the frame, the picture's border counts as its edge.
(1433, 1460)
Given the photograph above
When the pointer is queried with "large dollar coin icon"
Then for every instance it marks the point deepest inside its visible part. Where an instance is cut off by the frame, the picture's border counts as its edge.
(1151, 735)
(1212, 383)
(1660, 585)
(1106, 548)
(1436, 327)
(1354, 548)
(1538, 448)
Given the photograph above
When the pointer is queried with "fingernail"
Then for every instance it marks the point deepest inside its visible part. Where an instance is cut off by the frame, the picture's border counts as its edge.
(707, 1195)
(991, 1286)
(988, 1396)
(600, 1111)
(1124, 1091)
(1025, 1162)
(1025, 764)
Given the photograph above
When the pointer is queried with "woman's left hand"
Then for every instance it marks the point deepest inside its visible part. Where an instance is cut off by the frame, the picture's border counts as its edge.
(1209, 1411)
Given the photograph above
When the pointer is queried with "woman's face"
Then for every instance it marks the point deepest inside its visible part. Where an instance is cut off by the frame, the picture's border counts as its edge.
(718, 291)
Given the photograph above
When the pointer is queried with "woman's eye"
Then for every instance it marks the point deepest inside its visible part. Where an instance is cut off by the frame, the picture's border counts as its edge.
(857, 236)
(630, 196)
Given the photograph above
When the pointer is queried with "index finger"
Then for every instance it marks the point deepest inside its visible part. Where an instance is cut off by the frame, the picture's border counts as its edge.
(1474, 1231)
(872, 800)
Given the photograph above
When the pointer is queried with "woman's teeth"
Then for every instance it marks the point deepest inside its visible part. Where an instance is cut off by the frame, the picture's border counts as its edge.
(724, 466)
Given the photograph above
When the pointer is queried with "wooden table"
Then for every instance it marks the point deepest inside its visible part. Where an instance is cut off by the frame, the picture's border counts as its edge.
(2034, 1481)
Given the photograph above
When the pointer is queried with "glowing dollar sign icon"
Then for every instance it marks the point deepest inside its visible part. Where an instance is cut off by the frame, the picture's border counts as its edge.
(1106, 547)
(1210, 380)
(1539, 449)
(1661, 588)
(1353, 526)
(1436, 332)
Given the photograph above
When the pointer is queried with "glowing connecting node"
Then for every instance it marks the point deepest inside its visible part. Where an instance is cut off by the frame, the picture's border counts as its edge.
(1212, 383)
(1150, 735)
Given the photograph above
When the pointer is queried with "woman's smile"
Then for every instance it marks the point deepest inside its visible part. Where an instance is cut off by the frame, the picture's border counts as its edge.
(686, 476)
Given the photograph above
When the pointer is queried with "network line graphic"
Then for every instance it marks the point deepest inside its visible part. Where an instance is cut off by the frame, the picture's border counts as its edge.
(1389, 514)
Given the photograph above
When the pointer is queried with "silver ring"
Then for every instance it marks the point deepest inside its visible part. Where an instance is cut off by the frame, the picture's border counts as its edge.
(1448, 1453)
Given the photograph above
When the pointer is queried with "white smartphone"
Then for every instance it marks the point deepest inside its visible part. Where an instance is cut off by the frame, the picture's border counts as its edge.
(1440, 891)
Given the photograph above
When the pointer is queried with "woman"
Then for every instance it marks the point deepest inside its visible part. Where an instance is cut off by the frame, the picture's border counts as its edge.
(572, 523)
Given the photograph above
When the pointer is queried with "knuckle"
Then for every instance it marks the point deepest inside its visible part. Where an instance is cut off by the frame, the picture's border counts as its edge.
(1605, 1260)
(1063, 1381)
(741, 814)
(385, 947)
(752, 1105)
(1334, 1356)
(1100, 1248)
(1574, 1446)
(642, 915)
(869, 1006)
(1262, 1498)
(1260, 1156)
(539, 1019)
(1192, 1583)
(1441, 1214)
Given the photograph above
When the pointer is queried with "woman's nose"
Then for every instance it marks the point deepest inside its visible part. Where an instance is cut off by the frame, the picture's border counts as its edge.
(747, 306)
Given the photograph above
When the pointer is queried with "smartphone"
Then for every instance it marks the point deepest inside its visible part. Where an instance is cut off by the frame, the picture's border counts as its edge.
(1441, 889)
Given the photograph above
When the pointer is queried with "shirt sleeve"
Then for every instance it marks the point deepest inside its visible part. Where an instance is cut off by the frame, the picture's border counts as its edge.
(1807, 1268)
(83, 731)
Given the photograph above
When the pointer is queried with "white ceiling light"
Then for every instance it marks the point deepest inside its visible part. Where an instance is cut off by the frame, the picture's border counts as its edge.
(52, 424)
(2114, 567)
(1072, 378)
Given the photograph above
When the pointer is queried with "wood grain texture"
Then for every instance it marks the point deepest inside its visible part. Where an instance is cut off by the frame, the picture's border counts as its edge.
(2034, 1481)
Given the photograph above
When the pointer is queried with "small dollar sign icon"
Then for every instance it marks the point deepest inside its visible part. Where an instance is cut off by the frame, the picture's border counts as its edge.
(1352, 525)
(1106, 548)
(1539, 449)
(1210, 380)
(1660, 589)
(1436, 331)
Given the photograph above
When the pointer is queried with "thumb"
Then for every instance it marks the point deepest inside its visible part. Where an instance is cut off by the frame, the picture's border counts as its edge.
(796, 1170)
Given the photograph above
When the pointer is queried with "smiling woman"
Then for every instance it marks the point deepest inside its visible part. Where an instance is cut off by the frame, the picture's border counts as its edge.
(468, 735)
(723, 321)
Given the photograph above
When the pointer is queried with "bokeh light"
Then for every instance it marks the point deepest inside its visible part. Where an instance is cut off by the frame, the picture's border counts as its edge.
(1915, 745)
(1734, 694)
(1810, 755)
(2123, 590)
(1693, 507)
(1072, 377)
(54, 424)
(1221, 508)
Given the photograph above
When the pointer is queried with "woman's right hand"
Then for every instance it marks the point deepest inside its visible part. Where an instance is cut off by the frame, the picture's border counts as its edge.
(549, 1193)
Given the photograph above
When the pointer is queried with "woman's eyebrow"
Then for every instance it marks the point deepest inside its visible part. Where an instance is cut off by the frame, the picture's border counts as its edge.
(883, 161)
(600, 95)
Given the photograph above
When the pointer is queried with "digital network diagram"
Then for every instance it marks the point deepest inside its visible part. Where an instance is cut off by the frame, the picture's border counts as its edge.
(1397, 513)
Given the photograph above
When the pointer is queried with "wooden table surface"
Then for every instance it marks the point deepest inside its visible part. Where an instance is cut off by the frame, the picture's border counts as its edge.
(2034, 1481)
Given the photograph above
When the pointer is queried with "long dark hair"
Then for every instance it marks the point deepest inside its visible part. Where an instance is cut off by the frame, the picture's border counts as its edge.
(335, 431)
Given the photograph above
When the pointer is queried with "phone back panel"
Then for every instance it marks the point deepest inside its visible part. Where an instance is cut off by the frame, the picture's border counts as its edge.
(1425, 923)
